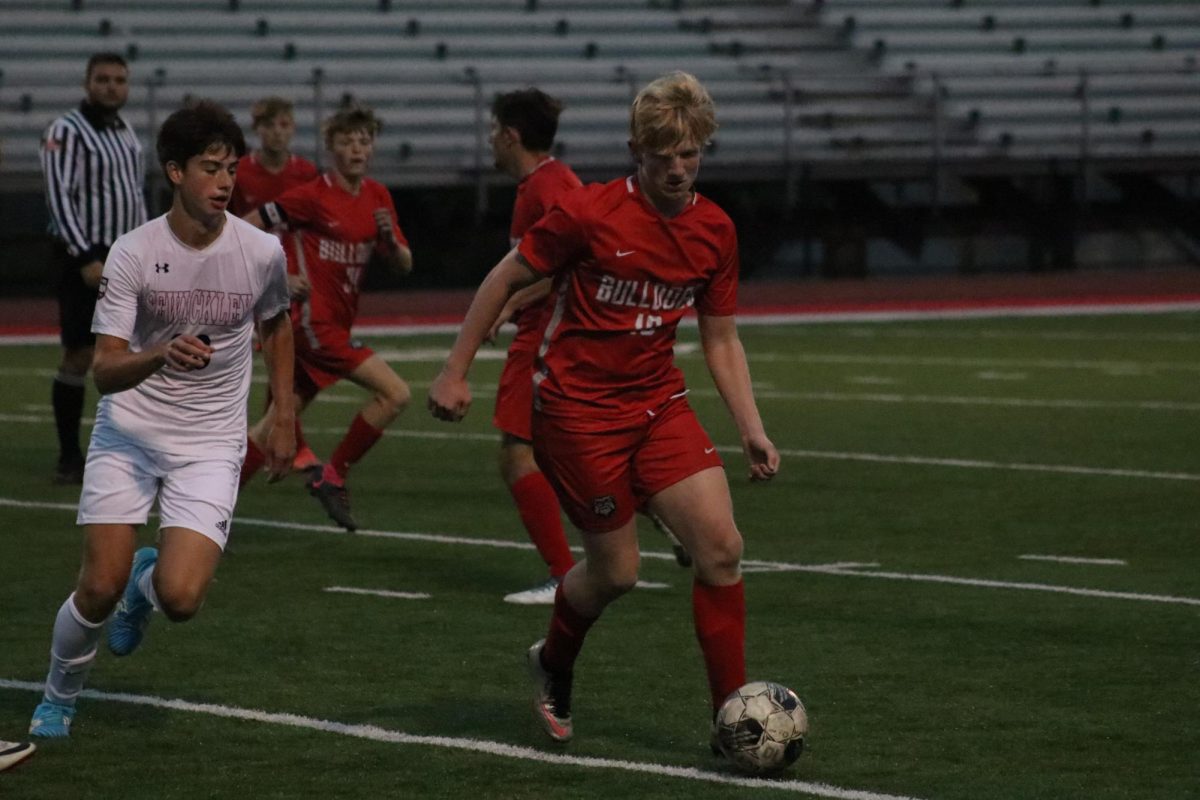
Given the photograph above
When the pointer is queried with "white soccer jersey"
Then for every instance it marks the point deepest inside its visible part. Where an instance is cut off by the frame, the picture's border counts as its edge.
(156, 287)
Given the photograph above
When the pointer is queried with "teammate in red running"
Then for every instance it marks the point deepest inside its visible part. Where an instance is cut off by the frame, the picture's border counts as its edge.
(344, 218)
(273, 168)
(524, 123)
(263, 175)
(612, 427)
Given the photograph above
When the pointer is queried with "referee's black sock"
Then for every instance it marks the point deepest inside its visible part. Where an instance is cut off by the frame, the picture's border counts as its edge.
(66, 397)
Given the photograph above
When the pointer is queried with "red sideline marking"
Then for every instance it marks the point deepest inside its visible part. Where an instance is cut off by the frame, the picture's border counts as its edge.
(831, 308)
(970, 304)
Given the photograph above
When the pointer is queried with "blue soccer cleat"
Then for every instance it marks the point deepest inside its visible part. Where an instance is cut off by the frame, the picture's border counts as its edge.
(129, 622)
(51, 720)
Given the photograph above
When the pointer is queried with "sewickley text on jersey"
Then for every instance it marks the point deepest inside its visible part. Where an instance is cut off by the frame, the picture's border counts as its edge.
(200, 306)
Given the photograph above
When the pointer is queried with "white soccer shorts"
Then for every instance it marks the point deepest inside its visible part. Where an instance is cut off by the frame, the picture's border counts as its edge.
(120, 483)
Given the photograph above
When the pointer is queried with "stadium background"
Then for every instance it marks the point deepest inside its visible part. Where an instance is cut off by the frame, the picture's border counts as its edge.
(859, 138)
(906, 567)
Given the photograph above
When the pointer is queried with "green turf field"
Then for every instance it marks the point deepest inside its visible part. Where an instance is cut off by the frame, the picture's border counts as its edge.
(888, 582)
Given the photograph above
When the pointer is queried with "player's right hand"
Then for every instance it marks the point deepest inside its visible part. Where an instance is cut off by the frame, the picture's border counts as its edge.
(449, 398)
(298, 287)
(186, 353)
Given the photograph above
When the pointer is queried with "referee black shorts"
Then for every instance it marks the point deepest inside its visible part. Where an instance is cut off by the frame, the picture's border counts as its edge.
(76, 301)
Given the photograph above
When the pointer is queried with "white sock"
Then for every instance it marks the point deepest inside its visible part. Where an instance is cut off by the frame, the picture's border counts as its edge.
(72, 651)
(145, 585)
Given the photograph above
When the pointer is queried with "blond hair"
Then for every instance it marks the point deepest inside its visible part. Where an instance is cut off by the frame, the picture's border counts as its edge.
(351, 120)
(268, 109)
(672, 109)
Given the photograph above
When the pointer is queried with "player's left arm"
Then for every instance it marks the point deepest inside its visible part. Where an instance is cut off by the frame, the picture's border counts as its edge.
(726, 360)
(275, 335)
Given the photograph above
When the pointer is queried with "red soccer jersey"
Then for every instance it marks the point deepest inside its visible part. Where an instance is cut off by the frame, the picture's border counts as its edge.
(256, 185)
(338, 236)
(536, 194)
(625, 276)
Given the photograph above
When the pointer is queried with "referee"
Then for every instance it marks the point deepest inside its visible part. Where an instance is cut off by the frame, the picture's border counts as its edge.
(95, 174)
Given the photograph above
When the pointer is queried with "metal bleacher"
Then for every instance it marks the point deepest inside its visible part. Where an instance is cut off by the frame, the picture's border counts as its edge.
(430, 69)
(847, 85)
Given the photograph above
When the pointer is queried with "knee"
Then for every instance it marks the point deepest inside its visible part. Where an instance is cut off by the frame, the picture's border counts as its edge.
(396, 399)
(721, 559)
(616, 580)
(179, 604)
(515, 462)
(97, 595)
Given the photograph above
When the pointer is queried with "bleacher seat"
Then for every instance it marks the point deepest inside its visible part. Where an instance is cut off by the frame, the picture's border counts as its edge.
(861, 79)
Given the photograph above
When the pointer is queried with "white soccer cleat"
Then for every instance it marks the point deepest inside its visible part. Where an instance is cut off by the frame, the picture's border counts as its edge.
(551, 696)
(540, 595)
(13, 753)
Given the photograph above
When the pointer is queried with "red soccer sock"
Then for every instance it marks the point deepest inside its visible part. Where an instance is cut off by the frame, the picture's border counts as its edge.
(538, 506)
(720, 616)
(564, 641)
(252, 463)
(361, 437)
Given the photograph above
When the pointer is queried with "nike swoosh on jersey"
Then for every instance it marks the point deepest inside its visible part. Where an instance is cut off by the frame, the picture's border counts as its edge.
(623, 253)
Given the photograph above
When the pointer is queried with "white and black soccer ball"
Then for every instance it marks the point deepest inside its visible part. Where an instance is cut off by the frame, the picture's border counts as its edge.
(761, 727)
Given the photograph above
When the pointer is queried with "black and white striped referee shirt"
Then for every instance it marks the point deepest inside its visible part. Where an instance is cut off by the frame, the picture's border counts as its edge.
(95, 176)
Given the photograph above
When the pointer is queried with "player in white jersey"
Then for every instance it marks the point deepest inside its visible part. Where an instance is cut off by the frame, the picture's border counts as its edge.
(177, 306)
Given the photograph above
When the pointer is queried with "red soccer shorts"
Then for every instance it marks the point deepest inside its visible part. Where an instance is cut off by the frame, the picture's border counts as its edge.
(602, 478)
(514, 394)
(324, 356)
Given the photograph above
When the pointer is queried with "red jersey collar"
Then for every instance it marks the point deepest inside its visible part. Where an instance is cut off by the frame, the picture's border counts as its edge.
(540, 164)
(632, 188)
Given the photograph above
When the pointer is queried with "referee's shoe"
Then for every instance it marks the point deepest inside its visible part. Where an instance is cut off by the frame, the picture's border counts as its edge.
(13, 753)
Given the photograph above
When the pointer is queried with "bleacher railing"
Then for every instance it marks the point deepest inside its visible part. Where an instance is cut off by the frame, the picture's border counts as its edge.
(1074, 118)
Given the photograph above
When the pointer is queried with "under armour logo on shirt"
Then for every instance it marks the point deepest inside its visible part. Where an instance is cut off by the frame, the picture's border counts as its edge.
(162, 267)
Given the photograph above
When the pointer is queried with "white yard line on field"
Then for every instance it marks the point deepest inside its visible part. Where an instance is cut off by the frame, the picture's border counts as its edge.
(965, 400)
(881, 458)
(1104, 562)
(482, 746)
(981, 363)
(1096, 310)
(769, 392)
(892, 332)
(878, 458)
(750, 565)
(965, 463)
(378, 593)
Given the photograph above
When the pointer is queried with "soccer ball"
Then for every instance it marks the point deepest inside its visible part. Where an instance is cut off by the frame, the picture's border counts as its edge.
(761, 727)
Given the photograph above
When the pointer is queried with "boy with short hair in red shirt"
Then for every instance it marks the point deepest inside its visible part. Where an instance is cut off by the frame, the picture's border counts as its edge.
(524, 123)
(273, 168)
(612, 428)
(344, 218)
(263, 175)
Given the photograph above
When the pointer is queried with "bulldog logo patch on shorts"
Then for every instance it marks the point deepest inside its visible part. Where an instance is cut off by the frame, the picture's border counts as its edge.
(604, 506)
